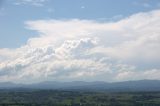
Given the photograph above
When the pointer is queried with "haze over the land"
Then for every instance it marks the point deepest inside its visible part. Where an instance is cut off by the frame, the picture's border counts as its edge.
(82, 40)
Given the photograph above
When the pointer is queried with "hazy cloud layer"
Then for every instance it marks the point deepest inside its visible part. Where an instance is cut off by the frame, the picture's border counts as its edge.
(87, 50)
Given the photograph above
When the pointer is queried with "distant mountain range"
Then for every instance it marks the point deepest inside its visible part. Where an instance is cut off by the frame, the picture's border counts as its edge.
(140, 85)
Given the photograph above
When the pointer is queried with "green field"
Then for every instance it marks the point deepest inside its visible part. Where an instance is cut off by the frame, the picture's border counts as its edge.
(77, 98)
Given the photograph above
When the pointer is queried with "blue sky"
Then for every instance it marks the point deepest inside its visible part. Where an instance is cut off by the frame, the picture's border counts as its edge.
(79, 40)
(13, 15)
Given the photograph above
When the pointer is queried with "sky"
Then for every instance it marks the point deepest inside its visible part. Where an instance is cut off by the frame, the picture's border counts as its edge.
(79, 40)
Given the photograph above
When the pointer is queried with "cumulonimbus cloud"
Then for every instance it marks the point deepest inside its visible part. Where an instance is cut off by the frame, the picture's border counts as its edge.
(87, 50)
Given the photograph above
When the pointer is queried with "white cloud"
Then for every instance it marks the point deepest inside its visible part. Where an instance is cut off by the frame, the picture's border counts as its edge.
(87, 50)
(118, 39)
(30, 2)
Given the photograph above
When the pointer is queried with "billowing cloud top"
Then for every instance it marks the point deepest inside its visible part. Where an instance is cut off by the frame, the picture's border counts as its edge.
(68, 50)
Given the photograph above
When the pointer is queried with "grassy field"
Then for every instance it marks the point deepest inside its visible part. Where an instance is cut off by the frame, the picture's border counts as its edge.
(77, 98)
